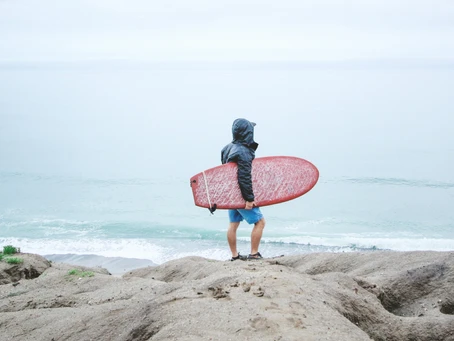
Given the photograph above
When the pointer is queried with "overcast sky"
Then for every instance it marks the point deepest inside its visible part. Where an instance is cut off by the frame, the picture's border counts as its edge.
(41, 30)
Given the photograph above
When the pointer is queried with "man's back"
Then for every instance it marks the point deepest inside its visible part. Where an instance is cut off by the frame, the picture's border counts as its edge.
(234, 151)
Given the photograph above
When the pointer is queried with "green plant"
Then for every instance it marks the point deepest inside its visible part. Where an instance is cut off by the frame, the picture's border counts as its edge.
(9, 250)
(1, 256)
(77, 272)
(13, 260)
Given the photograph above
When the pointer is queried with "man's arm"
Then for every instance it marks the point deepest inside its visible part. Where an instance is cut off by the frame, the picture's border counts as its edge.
(245, 180)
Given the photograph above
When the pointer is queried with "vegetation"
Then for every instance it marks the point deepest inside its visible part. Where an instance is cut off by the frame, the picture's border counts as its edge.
(80, 273)
(10, 250)
(13, 260)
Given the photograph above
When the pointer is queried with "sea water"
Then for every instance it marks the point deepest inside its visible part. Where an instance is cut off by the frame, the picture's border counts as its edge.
(95, 158)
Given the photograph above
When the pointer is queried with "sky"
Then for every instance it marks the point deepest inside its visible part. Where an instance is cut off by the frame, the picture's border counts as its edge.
(234, 30)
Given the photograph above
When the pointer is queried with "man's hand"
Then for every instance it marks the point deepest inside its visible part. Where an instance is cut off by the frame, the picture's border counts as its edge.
(249, 205)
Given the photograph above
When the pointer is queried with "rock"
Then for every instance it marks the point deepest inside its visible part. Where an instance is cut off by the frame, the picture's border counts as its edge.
(305, 297)
(31, 267)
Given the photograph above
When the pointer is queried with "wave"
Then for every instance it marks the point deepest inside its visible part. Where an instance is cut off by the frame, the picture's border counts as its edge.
(48, 227)
(133, 248)
(399, 182)
(6, 176)
(162, 250)
(356, 242)
(56, 228)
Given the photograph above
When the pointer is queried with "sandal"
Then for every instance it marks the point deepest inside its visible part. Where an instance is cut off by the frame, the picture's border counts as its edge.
(255, 256)
(240, 257)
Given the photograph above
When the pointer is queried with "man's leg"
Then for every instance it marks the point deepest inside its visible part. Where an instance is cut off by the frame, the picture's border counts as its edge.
(231, 237)
(256, 235)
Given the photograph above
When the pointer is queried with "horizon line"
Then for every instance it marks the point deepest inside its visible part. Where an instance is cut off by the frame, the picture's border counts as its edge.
(401, 62)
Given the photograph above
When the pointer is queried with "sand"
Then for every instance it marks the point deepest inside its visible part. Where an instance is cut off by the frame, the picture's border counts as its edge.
(321, 296)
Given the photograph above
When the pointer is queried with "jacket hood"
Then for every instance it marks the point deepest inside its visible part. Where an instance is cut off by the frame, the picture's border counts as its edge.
(243, 132)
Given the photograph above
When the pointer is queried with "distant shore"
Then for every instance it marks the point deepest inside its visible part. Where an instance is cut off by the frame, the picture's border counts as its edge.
(115, 265)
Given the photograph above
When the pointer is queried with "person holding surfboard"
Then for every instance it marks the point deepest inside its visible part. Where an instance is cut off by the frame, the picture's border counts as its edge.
(242, 151)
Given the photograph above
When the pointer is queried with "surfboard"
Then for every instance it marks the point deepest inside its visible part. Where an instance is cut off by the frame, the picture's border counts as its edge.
(275, 179)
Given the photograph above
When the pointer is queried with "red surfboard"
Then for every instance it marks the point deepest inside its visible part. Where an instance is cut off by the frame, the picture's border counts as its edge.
(275, 179)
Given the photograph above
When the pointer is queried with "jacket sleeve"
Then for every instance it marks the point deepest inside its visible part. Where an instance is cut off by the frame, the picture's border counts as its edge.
(225, 154)
(245, 177)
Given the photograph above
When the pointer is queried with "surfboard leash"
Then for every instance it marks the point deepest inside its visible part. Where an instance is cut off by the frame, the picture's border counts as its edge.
(212, 208)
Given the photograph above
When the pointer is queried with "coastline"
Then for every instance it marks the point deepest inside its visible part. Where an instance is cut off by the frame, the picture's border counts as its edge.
(383, 295)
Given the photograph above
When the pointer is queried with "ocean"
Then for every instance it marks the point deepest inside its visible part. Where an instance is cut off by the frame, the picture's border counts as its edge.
(95, 157)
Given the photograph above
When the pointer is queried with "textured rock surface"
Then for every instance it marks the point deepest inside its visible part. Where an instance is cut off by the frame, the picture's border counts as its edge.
(31, 267)
(348, 296)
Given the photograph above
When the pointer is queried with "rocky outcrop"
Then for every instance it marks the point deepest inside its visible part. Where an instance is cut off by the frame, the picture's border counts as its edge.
(350, 296)
(32, 266)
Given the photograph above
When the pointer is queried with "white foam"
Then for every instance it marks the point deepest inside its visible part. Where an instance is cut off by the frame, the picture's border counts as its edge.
(127, 248)
(161, 251)
(354, 241)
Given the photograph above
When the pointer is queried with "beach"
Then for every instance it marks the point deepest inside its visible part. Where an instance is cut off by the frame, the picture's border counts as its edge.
(380, 295)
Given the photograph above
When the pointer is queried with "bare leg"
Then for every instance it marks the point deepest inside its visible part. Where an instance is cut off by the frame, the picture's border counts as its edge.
(231, 238)
(256, 235)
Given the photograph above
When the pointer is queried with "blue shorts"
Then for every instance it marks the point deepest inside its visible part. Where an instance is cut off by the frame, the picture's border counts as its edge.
(251, 216)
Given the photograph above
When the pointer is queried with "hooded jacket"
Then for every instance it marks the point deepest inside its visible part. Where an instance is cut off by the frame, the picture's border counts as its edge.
(242, 151)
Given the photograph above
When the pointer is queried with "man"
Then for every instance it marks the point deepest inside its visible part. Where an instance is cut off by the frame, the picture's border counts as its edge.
(242, 151)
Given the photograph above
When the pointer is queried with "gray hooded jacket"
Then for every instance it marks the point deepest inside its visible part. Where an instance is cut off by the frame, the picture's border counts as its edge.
(242, 151)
